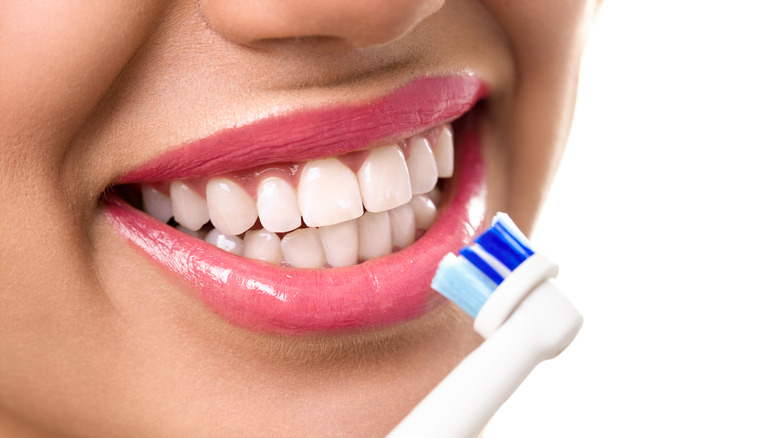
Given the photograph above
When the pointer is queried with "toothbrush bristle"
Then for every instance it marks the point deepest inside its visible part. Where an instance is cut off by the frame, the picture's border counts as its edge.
(462, 283)
(470, 254)
(469, 278)
(501, 245)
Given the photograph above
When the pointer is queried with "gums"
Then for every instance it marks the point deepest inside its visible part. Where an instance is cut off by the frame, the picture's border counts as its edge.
(282, 300)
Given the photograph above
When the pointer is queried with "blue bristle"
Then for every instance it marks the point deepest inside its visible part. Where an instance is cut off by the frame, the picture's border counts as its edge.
(468, 280)
(507, 224)
(480, 264)
(502, 247)
(463, 284)
(520, 241)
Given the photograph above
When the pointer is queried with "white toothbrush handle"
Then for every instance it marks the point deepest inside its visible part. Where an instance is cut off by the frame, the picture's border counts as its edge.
(542, 326)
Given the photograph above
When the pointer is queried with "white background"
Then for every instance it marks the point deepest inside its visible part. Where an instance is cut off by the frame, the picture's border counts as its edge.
(665, 219)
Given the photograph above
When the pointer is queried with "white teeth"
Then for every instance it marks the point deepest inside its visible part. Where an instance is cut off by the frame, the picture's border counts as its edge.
(374, 235)
(384, 179)
(231, 244)
(445, 153)
(340, 243)
(328, 193)
(424, 211)
(277, 205)
(231, 210)
(263, 245)
(402, 228)
(422, 166)
(399, 195)
(302, 248)
(189, 209)
(156, 203)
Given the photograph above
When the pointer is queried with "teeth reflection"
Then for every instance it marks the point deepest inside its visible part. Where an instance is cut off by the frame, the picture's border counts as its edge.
(277, 205)
(302, 248)
(231, 244)
(328, 193)
(402, 228)
(263, 245)
(231, 210)
(189, 209)
(424, 211)
(340, 243)
(422, 166)
(374, 235)
(156, 203)
(384, 179)
(445, 153)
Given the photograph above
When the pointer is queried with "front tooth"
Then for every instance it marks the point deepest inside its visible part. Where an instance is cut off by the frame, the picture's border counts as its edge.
(424, 211)
(156, 203)
(422, 166)
(384, 179)
(231, 210)
(263, 245)
(374, 235)
(303, 249)
(231, 244)
(277, 205)
(402, 228)
(340, 243)
(328, 193)
(189, 209)
(445, 153)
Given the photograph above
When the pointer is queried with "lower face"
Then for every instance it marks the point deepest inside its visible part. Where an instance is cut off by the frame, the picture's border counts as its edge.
(217, 239)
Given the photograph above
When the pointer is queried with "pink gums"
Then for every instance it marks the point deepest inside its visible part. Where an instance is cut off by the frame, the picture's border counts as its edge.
(259, 296)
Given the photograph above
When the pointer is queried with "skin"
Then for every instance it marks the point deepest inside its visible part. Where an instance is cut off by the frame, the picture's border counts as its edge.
(97, 341)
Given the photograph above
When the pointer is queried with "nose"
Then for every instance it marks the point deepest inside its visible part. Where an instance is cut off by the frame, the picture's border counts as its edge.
(358, 23)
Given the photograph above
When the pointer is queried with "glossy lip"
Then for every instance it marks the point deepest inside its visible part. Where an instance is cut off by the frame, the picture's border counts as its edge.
(379, 292)
(415, 107)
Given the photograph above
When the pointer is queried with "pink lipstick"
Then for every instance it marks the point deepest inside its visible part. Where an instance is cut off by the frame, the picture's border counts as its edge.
(419, 105)
(377, 292)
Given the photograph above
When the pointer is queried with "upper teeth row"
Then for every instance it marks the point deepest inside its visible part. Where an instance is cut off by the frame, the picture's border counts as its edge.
(328, 192)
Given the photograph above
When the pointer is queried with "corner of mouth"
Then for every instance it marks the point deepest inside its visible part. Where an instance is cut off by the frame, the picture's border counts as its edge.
(294, 297)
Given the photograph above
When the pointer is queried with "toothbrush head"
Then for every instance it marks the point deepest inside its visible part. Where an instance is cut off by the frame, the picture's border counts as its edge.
(471, 277)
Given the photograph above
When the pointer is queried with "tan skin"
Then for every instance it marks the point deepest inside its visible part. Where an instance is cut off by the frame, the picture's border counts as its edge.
(97, 341)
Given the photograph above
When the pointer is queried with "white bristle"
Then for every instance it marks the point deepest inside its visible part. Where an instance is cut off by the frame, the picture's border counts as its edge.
(462, 283)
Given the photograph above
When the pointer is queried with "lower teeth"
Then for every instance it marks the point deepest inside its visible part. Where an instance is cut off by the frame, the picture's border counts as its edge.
(343, 244)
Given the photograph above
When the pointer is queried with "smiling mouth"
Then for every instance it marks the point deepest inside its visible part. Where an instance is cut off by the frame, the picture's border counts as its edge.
(329, 212)
(346, 238)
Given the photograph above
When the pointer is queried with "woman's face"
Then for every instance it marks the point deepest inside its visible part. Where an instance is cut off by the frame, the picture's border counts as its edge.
(116, 325)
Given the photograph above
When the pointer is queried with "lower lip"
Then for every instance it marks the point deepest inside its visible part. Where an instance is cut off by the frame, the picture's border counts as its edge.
(379, 292)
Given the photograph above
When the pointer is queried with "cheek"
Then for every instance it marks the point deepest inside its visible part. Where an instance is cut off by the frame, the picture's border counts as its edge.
(58, 59)
(547, 40)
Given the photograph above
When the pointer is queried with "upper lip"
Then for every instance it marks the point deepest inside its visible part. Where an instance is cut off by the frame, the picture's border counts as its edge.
(382, 291)
(419, 105)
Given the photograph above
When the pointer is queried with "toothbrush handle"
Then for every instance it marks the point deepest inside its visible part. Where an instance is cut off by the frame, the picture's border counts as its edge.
(542, 326)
